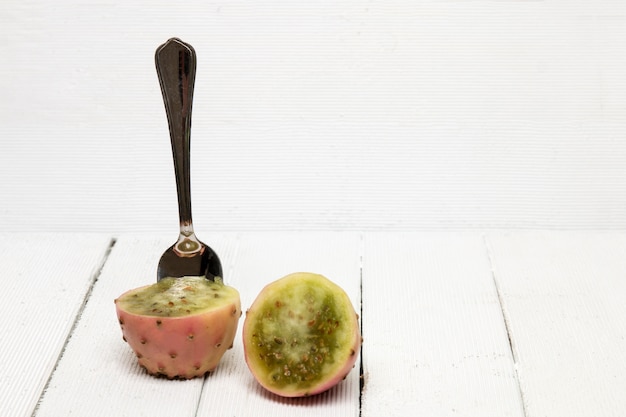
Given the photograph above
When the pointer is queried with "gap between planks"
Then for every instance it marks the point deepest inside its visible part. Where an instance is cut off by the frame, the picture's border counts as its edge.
(361, 373)
(92, 283)
(506, 320)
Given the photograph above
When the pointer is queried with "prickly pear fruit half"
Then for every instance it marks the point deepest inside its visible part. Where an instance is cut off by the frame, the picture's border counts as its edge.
(179, 327)
(301, 335)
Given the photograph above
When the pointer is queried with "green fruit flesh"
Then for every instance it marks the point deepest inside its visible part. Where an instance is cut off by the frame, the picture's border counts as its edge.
(176, 297)
(301, 333)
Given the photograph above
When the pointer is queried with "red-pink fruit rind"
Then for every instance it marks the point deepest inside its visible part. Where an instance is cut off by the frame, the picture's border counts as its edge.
(301, 335)
(179, 327)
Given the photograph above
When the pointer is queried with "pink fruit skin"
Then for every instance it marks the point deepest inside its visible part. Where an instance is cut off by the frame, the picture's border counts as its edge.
(181, 347)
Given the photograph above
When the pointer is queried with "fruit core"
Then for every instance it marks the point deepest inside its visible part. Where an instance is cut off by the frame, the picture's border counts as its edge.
(298, 335)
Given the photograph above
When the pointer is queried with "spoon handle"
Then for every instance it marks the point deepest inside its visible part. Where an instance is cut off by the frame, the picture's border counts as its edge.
(176, 68)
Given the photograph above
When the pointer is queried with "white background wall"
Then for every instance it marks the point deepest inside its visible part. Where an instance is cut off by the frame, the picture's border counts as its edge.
(348, 115)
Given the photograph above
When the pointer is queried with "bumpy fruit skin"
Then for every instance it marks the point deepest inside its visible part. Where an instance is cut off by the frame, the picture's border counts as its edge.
(301, 335)
(179, 343)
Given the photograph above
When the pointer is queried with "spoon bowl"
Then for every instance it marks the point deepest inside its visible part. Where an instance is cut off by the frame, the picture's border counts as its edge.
(175, 63)
(189, 257)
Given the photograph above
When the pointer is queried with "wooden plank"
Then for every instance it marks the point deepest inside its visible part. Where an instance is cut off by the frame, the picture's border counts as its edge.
(317, 114)
(435, 340)
(45, 281)
(262, 258)
(107, 381)
(564, 297)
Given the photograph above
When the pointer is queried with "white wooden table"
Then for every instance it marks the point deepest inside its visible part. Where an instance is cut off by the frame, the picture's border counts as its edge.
(476, 323)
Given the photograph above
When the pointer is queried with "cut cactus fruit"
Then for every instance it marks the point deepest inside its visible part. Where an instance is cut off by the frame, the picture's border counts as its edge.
(301, 335)
(179, 327)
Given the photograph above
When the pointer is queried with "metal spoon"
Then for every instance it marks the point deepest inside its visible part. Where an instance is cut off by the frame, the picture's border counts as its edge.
(176, 68)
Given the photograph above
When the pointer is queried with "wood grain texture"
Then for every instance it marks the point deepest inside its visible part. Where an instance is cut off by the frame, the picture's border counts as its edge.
(564, 297)
(435, 339)
(46, 279)
(384, 115)
(437, 308)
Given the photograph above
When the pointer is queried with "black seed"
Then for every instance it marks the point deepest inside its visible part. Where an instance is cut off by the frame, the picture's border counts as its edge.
(121, 321)
(278, 340)
(143, 341)
(173, 355)
(124, 339)
(158, 323)
(190, 336)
